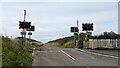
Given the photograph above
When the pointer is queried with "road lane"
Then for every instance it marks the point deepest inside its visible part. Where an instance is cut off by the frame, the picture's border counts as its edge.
(52, 59)
(49, 55)
(68, 55)
(91, 59)
(52, 56)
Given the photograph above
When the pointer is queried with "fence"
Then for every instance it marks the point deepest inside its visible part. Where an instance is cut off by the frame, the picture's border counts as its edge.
(103, 43)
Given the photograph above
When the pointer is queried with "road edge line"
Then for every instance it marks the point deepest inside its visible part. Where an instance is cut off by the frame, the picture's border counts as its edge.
(99, 54)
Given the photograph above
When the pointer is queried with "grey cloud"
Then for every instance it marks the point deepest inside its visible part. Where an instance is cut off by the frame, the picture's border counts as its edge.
(53, 20)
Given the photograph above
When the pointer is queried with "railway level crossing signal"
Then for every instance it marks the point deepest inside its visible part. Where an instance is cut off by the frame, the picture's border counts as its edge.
(75, 30)
(25, 25)
(87, 27)
(31, 28)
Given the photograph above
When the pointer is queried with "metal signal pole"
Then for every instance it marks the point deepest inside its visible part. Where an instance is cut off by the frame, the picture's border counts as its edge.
(24, 25)
(78, 29)
(74, 38)
(24, 14)
(24, 30)
(29, 35)
(86, 41)
(78, 32)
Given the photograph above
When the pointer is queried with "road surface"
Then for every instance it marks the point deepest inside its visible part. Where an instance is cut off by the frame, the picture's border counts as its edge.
(49, 55)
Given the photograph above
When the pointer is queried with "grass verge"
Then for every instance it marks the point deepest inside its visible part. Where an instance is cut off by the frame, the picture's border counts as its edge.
(13, 54)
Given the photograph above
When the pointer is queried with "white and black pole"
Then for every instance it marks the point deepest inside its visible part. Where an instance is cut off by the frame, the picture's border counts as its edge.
(24, 30)
(86, 40)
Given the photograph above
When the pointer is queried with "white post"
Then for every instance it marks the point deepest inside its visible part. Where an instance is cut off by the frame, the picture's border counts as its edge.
(92, 43)
(116, 43)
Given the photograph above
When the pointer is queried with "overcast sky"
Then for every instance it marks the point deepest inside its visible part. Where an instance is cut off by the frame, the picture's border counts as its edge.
(53, 20)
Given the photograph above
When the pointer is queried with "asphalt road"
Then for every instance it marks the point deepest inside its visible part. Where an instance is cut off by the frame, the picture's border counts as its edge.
(49, 55)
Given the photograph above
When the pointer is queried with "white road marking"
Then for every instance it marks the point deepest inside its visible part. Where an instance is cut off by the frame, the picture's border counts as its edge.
(99, 54)
(67, 55)
(87, 67)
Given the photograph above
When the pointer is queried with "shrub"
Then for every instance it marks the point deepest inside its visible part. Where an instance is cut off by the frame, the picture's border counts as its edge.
(14, 55)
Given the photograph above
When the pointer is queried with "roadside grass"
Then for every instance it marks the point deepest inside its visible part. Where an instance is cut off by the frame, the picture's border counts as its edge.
(13, 54)
(67, 42)
(68, 46)
(64, 45)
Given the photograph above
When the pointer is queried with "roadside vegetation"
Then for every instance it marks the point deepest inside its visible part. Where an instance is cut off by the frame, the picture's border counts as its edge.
(68, 42)
(14, 54)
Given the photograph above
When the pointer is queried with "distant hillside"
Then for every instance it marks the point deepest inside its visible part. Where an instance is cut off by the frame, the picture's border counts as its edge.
(67, 42)
(28, 41)
(33, 40)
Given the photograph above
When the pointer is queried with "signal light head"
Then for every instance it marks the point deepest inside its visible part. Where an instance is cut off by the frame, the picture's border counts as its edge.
(24, 24)
(87, 27)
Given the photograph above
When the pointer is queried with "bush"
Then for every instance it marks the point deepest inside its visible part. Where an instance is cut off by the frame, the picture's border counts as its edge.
(14, 55)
